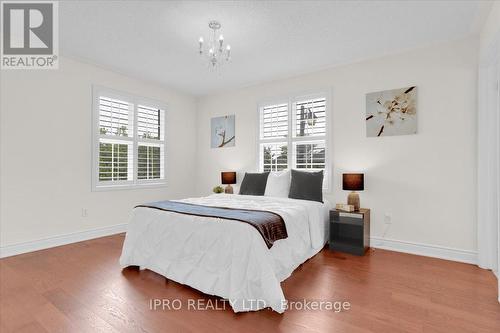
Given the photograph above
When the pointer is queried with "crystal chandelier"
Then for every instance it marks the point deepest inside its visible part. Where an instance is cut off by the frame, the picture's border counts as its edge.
(215, 51)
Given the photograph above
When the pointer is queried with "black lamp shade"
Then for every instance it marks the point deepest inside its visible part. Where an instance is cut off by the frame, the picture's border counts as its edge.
(353, 182)
(228, 177)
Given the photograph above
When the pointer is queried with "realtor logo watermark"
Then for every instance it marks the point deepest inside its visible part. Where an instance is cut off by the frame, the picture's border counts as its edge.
(30, 36)
(191, 304)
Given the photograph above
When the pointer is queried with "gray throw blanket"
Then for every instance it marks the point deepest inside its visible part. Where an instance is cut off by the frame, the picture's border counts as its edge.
(270, 225)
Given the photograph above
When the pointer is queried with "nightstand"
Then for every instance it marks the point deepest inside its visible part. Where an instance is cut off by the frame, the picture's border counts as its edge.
(350, 232)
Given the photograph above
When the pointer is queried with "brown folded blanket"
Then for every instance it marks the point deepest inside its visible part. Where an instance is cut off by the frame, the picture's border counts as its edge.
(270, 225)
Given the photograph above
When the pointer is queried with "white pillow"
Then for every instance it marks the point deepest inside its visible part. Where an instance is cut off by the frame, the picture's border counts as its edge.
(278, 184)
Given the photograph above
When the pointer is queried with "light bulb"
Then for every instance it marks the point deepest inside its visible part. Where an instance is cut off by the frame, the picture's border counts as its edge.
(201, 40)
(221, 38)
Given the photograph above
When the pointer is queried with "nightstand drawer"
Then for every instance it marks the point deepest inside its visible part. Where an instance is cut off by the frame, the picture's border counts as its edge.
(349, 220)
(346, 233)
(336, 215)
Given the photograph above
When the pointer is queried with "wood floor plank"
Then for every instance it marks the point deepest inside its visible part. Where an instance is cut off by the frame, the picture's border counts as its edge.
(81, 288)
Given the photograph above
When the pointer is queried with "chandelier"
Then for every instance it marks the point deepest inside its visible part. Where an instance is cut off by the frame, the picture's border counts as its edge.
(215, 50)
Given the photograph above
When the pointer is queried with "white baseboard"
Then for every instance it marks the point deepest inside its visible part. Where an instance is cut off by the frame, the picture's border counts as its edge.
(15, 249)
(441, 252)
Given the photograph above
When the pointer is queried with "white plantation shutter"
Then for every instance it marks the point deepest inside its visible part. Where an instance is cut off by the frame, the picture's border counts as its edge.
(274, 121)
(150, 161)
(115, 117)
(309, 123)
(115, 154)
(310, 117)
(151, 148)
(150, 122)
(294, 135)
(115, 160)
(129, 144)
(274, 128)
(274, 156)
(310, 155)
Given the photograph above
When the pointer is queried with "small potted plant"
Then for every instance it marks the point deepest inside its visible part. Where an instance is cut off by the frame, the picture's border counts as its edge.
(218, 189)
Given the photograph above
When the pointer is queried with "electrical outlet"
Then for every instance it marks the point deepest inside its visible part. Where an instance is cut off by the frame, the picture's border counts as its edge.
(387, 218)
(84, 212)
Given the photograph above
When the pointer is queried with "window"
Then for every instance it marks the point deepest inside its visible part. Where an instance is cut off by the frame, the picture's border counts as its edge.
(293, 135)
(128, 141)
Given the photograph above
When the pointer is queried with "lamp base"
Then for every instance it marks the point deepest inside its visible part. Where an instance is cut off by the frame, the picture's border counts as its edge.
(353, 199)
(228, 189)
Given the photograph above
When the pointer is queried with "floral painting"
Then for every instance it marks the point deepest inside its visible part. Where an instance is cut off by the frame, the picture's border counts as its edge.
(391, 112)
(222, 131)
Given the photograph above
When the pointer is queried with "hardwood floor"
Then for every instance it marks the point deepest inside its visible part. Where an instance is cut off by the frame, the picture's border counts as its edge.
(81, 288)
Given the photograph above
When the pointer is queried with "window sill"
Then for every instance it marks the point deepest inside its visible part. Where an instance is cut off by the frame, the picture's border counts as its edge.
(104, 188)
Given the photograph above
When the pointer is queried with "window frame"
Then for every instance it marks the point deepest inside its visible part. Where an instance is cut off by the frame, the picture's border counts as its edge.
(134, 100)
(292, 139)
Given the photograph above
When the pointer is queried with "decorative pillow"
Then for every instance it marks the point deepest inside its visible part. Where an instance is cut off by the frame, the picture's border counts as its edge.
(254, 183)
(306, 185)
(278, 184)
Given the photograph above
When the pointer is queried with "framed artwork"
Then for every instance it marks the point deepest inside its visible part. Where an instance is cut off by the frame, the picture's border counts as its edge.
(222, 132)
(391, 112)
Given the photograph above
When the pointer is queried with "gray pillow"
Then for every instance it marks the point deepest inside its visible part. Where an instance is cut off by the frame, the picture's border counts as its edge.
(254, 183)
(306, 185)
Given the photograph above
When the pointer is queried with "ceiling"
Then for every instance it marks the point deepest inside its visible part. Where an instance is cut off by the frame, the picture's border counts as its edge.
(157, 41)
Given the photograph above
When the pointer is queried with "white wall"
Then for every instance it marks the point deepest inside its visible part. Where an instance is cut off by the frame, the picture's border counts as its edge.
(46, 152)
(491, 28)
(426, 182)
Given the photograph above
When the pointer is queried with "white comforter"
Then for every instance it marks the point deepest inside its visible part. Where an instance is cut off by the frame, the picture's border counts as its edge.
(227, 258)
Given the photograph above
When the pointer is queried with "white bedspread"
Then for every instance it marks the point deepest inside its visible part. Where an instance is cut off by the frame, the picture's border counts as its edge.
(223, 257)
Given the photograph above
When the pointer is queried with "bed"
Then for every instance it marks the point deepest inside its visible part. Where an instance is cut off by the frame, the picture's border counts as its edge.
(223, 257)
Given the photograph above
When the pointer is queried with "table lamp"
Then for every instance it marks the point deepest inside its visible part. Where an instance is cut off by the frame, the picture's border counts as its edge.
(228, 178)
(353, 182)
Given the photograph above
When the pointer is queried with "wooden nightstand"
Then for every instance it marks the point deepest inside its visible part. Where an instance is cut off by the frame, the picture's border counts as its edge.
(350, 232)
